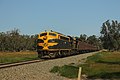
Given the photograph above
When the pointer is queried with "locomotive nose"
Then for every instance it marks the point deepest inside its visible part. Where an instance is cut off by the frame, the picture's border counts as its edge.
(45, 44)
(45, 37)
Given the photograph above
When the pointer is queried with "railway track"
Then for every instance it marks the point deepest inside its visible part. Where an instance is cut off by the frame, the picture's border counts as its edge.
(25, 62)
(19, 63)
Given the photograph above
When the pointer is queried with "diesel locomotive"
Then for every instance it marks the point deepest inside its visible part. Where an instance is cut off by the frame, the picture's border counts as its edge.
(55, 44)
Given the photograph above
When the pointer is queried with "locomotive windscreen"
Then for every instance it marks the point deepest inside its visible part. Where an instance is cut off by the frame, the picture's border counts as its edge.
(43, 34)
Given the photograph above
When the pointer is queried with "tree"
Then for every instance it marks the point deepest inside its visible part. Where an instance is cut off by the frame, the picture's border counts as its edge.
(110, 35)
(13, 41)
(92, 40)
(83, 37)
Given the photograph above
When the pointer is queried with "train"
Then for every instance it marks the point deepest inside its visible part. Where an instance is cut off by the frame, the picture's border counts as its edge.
(54, 44)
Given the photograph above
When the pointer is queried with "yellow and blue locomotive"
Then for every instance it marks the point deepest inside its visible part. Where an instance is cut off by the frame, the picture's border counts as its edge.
(54, 44)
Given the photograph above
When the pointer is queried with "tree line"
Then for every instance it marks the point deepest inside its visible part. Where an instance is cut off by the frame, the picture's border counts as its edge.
(93, 40)
(110, 35)
(109, 39)
(13, 41)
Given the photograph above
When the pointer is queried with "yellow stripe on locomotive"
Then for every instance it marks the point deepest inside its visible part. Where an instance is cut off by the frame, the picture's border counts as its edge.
(43, 39)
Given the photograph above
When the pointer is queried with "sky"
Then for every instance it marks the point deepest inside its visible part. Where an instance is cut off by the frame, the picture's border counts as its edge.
(70, 17)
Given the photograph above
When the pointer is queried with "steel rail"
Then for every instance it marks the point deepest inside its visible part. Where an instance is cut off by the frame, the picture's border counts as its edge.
(19, 63)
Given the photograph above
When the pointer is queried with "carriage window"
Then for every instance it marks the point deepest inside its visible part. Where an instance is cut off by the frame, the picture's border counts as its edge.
(52, 34)
(64, 38)
(43, 34)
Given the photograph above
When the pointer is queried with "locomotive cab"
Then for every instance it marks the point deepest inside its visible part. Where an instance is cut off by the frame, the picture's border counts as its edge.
(52, 43)
(45, 39)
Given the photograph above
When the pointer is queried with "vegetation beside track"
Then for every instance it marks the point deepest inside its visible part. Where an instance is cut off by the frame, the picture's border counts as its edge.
(101, 65)
(11, 57)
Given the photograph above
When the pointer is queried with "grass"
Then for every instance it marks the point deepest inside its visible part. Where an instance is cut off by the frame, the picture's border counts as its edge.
(101, 70)
(11, 57)
(105, 57)
(66, 71)
(101, 65)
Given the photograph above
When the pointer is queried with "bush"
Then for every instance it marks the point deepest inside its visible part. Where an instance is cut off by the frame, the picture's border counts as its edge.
(66, 71)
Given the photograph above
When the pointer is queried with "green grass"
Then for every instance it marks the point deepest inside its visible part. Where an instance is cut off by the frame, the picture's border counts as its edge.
(55, 69)
(101, 65)
(66, 71)
(7, 57)
(105, 57)
(99, 70)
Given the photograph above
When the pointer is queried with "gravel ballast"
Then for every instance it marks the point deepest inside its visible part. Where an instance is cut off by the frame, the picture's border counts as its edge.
(40, 70)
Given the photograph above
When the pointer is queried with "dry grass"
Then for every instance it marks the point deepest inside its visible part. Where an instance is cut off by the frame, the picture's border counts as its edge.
(15, 53)
(10, 57)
